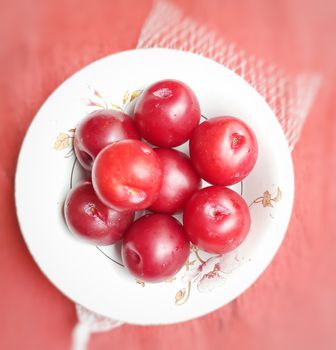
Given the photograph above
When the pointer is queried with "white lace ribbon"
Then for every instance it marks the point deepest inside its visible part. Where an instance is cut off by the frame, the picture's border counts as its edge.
(89, 322)
(290, 96)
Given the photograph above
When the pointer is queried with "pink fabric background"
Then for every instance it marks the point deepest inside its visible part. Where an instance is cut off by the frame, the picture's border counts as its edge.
(293, 304)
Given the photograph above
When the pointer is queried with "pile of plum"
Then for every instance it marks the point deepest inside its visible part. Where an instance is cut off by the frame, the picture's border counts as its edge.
(128, 175)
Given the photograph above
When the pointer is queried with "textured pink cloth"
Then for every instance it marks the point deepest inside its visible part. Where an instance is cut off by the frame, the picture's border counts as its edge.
(292, 305)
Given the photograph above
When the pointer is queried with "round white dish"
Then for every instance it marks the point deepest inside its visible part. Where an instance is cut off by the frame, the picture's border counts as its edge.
(84, 272)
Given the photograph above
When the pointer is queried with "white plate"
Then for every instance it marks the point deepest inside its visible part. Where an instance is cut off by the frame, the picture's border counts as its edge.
(85, 274)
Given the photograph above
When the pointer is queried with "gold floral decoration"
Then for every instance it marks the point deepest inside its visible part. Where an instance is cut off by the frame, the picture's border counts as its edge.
(64, 141)
(267, 200)
(180, 296)
(135, 94)
(126, 96)
(142, 283)
(98, 101)
(183, 294)
(115, 106)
